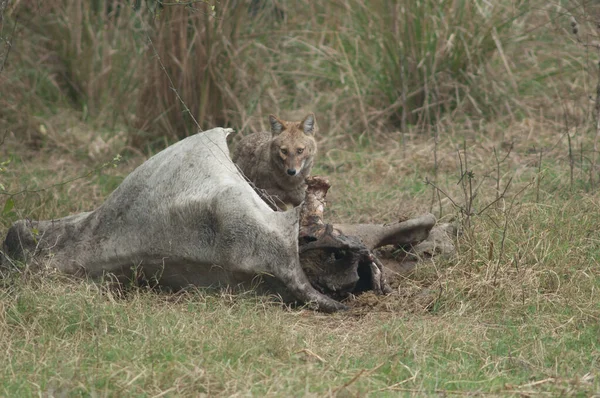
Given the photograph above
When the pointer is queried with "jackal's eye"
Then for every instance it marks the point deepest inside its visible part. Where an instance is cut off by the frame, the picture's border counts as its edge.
(300, 150)
(284, 151)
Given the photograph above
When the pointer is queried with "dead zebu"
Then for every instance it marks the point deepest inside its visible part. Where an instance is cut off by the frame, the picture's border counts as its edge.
(188, 217)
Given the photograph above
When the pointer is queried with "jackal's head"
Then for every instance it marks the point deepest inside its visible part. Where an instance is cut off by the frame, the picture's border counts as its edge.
(293, 146)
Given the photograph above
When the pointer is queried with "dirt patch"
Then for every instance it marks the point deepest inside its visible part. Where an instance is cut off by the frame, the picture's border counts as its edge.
(402, 300)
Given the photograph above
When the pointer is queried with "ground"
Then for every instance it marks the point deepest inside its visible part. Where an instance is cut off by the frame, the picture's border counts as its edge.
(513, 161)
(514, 313)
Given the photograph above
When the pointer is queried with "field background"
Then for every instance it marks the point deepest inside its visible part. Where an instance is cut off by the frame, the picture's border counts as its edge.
(482, 112)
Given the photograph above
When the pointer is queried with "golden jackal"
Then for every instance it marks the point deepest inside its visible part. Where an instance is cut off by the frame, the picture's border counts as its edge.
(278, 162)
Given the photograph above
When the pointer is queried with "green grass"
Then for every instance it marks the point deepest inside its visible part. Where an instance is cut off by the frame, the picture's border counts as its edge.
(65, 338)
(523, 321)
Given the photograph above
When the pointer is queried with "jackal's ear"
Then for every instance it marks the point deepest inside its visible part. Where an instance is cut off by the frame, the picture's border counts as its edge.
(308, 124)
(276, 125)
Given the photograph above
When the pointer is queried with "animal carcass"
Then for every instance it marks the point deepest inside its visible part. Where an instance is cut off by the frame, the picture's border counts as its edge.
(184, 217)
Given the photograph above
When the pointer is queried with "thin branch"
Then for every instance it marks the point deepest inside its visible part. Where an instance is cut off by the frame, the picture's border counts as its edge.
(9, 44)
(506, 218)
(171, 84)
(499, 162)
(427, 181)
(538, 179)
(497, 199)
(403, 94)
(183, 3)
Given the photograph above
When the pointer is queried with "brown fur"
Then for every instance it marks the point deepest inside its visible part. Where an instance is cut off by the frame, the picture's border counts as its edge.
(268, 158)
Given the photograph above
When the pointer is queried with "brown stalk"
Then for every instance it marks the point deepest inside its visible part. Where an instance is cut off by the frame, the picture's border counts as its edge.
(538, 178)
(8, 45)
(505, 229)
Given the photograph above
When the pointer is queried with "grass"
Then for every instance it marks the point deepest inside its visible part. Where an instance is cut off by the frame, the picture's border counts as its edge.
(66, 338)
(514, 312)
(521, 321)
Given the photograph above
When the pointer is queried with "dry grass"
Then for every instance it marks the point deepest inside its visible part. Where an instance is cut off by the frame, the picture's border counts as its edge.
(192, 57)
(70, 54)
(523, 320)
(61, 337)
(342, 57)
(514, 313)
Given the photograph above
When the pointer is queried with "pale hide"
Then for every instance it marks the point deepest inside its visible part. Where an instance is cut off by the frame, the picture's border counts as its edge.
(184, 217)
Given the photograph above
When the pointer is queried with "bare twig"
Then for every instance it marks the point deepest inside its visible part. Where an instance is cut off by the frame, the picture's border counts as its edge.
(538, 179)
(587, 45)
(471, 190)
(438, 117)
(312, 354)
(427, 181)
(262, 193)
(171, 84)
(505, 229)
(356, 377)
(466, 183)
(183, 3)
(498, 163)
(498, 198)
(8, 40)
(403, 95)
(442, 392)
(571, 161)
(352, 380)
(3, 5)
(597, 136)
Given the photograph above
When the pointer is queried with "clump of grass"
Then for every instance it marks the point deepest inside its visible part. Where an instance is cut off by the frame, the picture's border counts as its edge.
(386, 64)
(410, 61)
(73, 53)
(396, 64)
(71, 336)
(204, 68)
(89, 56)
(22, 89)
(95, 46)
